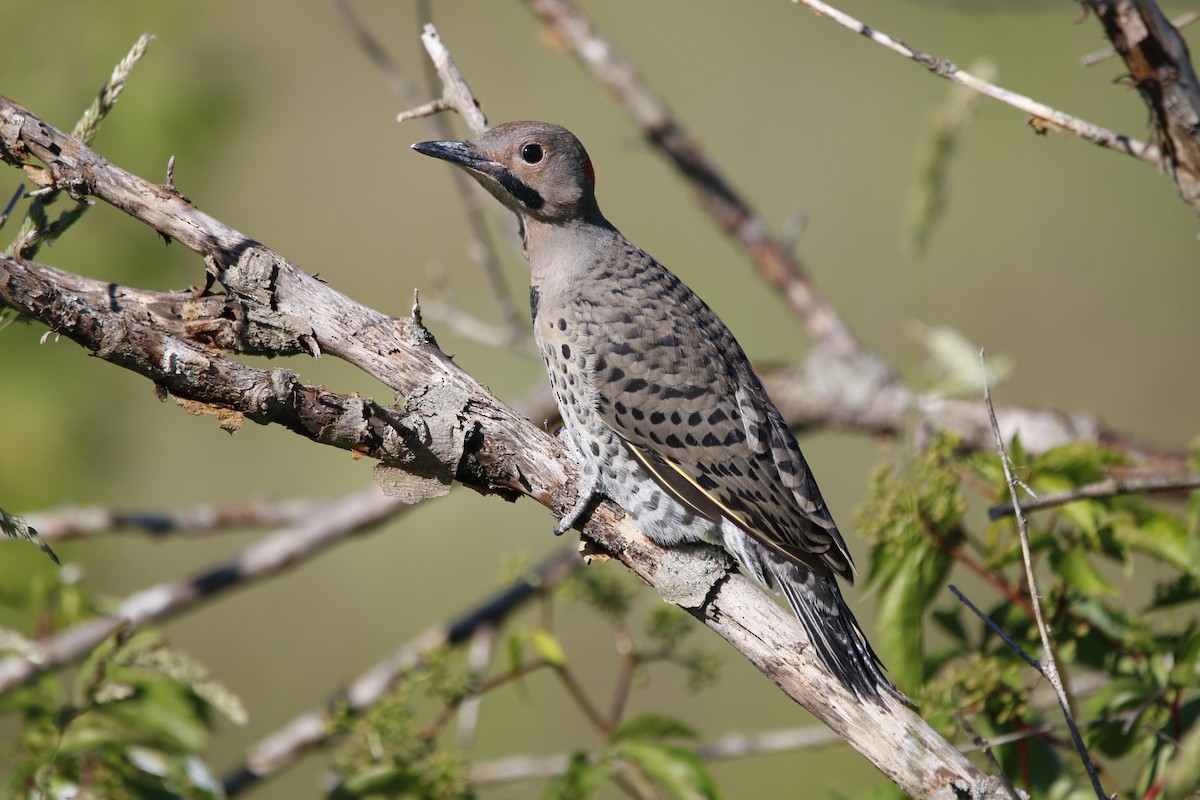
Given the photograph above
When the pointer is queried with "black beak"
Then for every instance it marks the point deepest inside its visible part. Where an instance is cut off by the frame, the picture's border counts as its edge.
(460, 153)
(494, 176)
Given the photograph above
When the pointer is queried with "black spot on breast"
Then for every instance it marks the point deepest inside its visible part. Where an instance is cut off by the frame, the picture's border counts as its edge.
(566, 351)
(562, 324)
(638, 414)
(676, 419)
(620, 407)
(691, 440)
(534, 298)
(636, 385)
(658, 418)
(595, 448)
(695, 418)
(710, 441)
(601, 364)
(673, 441)
(616, 374)
(717, 417)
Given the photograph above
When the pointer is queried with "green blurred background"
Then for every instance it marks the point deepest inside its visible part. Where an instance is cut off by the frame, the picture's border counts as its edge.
(1078, 263)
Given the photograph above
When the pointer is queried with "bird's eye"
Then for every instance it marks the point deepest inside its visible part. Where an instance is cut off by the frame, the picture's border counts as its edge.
(532, 153)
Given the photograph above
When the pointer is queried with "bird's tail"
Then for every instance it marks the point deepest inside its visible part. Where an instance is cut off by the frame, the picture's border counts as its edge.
(835, 634)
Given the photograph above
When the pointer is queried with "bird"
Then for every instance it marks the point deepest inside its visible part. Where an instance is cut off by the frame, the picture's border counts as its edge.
(661, 408)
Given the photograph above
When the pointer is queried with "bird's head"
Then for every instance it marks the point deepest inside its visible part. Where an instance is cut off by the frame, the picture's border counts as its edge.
(538, 170)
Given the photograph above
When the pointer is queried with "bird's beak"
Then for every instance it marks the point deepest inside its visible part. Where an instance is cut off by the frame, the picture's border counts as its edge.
(461, 153)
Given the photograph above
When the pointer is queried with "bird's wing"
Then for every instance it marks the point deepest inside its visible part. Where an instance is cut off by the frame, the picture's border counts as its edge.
(674, 384)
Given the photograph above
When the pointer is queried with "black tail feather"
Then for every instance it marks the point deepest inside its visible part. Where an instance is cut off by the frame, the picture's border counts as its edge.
(835, 634)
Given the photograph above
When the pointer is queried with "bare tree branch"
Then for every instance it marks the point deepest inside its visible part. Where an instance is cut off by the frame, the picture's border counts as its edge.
(1042, 116)
(285, 548)
(1161, 69)
(461, 427)
(1112, 487)
(1048, 665)
(76, 522)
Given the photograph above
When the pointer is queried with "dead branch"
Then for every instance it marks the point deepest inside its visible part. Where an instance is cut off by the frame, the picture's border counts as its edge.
(1161, 69)
(268, 557)
(1041, 116)
(459, 425)
(1049, 664)
(1111, 487)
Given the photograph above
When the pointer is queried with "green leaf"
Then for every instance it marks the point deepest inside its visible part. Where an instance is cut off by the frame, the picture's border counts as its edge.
(1183, 776)
(901, 607)
(389, 780)
(649, 727)
(1085, 514)
(1078, 463)
(15, 527)
(581, 781)
(1164, 538)
(548, 647)
(1076, 569)
(1184, 589)
(675, 770)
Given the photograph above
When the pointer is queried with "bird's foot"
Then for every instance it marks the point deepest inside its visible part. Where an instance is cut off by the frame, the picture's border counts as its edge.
(586, 496)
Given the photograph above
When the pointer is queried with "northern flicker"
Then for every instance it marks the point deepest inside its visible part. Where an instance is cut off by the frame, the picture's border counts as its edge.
(660, 405)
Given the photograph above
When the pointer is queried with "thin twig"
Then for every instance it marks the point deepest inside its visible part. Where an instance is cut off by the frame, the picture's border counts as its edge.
(627, 666)
(1110, 487)
(373, 48)
(579, 695)
(33, 232)
(474, 329)
(737, 745)
(483, 247)
(74, 522)
(479, 655)
(12, 204)
(996, 629)
(1043, 117)
(985, 747)
(456, 94)
(268, 557)
(1049, 664)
